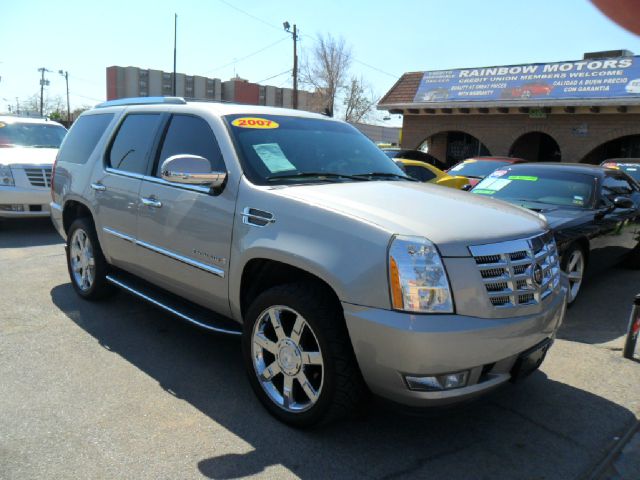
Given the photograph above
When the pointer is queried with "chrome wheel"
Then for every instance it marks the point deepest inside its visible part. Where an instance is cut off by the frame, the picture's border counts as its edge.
(287, 359)
(83, 263)
(575, 272)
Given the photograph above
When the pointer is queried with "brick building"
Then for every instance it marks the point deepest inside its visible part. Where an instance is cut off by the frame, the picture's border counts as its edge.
(123, 82)
(577, 111)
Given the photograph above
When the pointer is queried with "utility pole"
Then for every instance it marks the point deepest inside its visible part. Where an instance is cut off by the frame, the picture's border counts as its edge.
(175, 42)
(294, 34)
(43, 82)
(65, 74)
(17, 106)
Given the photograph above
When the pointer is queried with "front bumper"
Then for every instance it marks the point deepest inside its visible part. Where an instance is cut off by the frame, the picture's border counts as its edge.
(24, 202)
(390, 345)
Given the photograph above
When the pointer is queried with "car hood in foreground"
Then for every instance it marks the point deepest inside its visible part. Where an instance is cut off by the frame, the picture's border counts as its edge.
(16, 156)
(451, 219)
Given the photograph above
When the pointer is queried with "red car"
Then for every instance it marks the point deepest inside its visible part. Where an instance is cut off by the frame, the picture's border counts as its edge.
(528, 90)
(476, 168)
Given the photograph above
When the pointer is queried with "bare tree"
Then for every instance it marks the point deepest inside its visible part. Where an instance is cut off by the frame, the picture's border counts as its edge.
(359, 100)
(327, 68)
(51, 105)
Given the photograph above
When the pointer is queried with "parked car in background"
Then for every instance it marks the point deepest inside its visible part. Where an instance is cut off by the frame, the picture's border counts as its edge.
(28, 148)
(292, 229)
(594, 212)
(428, 173)
(476, 168)
(630, 166)
(396, 152)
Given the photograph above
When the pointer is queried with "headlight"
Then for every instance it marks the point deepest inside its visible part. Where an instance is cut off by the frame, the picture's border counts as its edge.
(417, 277)
(6, 177)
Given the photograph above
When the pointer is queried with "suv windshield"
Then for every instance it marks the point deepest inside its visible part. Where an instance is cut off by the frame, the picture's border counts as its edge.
(555, 188)
(36, 135)
(476, 168)
(278, 149)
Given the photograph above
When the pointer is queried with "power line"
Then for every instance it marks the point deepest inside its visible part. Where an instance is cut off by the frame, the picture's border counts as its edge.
(274, 76)
(247, 56)
(303, 35)
(250, 15)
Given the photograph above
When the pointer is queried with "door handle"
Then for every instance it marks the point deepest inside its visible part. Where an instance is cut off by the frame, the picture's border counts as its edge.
(98, 187)
(151, 202)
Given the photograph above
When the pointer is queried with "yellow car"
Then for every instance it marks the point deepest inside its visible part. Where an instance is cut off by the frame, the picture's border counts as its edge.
(428, 173)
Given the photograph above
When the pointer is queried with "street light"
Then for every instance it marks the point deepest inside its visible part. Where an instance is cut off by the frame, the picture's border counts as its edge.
(65, 74)
(294, 34)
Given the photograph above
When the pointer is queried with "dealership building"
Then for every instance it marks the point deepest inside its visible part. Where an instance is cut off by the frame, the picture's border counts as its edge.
(573, 111)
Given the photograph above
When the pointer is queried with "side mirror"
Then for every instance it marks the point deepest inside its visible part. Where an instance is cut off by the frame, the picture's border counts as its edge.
(623, 202)
(191, 170)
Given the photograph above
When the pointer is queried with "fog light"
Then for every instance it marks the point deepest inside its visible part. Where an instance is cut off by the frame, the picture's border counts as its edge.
(12, 207)
(436, 383)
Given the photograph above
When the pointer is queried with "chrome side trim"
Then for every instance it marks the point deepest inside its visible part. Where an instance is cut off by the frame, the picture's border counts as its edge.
(180, 258)
(115, 233)
(124, 173)
(167, 308)
(193, 188)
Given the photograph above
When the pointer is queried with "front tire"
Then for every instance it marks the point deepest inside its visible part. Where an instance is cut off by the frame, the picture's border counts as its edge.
(299, 357)
(85, 261)
(573, 265)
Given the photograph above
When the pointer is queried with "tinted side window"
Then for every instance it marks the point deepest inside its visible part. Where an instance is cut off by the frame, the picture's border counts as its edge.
(419, 173)
(616, 185)
(83, 137)
(193, 136)
(130, 149)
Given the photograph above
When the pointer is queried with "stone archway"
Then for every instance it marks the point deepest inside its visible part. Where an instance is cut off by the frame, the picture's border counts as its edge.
(627, 146)
(536, 147)
(452, 146)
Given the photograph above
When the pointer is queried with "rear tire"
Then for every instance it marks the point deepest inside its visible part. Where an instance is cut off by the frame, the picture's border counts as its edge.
(85, 261)
(299, 357)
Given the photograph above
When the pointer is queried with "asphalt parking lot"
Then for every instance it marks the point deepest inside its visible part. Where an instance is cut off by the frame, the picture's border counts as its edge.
(120, 390)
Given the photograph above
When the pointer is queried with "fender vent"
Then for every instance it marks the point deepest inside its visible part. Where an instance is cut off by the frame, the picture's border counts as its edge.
(256, 217)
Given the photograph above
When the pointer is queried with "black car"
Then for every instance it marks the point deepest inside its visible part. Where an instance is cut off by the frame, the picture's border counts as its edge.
(594, 212)
(396, 153)
(630, 166)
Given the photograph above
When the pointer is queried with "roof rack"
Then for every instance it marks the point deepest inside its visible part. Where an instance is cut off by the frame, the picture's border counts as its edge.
(142, 101)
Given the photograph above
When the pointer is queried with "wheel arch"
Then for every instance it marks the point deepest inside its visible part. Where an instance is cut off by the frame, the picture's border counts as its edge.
(260, 274)
(72, 210)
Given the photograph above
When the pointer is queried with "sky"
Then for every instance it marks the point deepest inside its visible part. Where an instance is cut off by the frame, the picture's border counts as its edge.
(221, 38)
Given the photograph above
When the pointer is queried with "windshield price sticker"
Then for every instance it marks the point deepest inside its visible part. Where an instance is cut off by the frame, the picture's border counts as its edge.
(526, 178)
(254, 122)
(494, 184)
(578, 200)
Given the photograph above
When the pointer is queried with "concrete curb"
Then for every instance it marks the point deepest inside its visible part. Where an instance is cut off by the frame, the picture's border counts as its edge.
(599, 471)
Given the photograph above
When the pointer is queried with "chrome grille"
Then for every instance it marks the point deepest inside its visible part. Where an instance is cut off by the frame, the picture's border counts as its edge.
(508, 270)
(39, 176)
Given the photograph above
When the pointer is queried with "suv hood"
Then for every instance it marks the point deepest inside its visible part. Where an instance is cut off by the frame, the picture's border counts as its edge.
(452, 219)
(16, 156)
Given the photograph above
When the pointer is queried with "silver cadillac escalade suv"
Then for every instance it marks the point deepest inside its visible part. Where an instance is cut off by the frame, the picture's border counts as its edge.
(342, 275)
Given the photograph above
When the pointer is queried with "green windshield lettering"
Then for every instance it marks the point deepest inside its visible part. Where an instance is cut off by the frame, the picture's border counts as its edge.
(523, 177)
(483, 191)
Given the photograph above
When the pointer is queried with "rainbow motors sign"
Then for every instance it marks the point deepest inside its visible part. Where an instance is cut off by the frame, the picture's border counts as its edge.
(583, 79)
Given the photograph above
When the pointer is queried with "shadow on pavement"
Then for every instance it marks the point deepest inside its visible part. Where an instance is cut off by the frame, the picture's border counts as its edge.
(28, 232)
(601, 313)
(537, 429)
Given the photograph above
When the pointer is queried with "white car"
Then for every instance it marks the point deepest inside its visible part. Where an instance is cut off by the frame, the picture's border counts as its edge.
(28, 148)
(633, 86)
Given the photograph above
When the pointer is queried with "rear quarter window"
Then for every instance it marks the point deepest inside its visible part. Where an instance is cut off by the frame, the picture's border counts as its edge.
(83, 137)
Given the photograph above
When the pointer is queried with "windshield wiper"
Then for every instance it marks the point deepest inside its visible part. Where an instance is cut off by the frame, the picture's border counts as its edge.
(45, 146)
(371, 175)
(301, 175)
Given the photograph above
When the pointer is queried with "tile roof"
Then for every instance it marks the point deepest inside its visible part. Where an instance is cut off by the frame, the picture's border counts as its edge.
(404, 91)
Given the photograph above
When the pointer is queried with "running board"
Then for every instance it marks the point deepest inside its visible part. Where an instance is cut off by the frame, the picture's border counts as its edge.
(175, 305)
